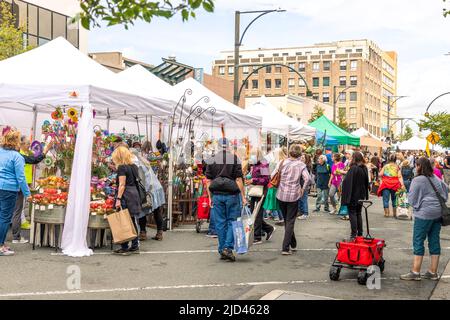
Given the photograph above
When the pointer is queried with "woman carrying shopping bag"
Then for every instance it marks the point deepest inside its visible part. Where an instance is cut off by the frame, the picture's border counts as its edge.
(127, 194)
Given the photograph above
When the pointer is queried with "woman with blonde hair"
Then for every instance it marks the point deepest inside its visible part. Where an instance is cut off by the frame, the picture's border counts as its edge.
(127, 194)
(12, 179)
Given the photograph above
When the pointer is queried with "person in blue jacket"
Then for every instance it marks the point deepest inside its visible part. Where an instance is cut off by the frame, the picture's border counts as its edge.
(12, 179)
(323, 173)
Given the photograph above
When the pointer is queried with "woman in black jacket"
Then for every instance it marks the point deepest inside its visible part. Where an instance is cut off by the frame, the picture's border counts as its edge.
(355, 187)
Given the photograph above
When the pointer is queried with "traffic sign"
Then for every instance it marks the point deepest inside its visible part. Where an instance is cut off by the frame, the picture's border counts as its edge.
(433, 138)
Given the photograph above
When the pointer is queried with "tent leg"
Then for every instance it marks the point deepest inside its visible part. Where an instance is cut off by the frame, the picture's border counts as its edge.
(170, 178)
(108, 119)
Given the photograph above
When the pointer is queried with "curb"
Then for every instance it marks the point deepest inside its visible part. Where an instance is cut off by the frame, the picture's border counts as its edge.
(442, 289)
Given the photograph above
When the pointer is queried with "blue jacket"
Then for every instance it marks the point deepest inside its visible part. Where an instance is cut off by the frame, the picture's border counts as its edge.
(323, 175)
(12, 176)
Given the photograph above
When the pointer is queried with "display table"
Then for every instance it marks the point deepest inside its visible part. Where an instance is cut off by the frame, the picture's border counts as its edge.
(97, 231)
(51, 223)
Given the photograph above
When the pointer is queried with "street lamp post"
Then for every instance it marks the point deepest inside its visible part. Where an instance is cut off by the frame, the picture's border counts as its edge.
(389, 113)
(238, 42)
(336, 98)
(443, 94)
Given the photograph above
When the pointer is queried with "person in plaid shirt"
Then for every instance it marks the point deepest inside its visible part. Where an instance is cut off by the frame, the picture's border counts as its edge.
(293, 176)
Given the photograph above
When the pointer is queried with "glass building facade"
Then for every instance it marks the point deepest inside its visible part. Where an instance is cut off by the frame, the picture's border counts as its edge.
(42, 25)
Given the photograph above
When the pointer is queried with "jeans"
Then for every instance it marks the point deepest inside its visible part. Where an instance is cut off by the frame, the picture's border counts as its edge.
(386, 193)
(135, 241)
(7, 205)
(322, 198)
(423, 229)
(17, 216)
(332, 195)
(289, 210)
(260, 224)
(212, 223)
(303, 203)
(354, 212)
(226, 209)
(277, 214)
(407, 184)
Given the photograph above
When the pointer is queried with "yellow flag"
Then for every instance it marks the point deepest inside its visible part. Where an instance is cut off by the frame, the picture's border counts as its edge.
(427, 149)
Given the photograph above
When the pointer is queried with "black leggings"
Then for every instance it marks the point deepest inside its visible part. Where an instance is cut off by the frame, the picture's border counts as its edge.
(355, 220)
(157, 214)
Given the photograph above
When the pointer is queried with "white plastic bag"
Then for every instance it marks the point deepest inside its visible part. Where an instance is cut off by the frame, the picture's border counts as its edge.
(248, 222)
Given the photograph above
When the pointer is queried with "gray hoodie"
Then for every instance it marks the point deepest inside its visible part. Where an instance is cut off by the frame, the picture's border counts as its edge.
(424, 200)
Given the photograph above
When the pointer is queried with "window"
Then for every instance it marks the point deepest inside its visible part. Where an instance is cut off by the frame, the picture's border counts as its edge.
(269, 69)
(42, 41)
(32, 20)
(316, 66)
(343, 65)
(342, 81)
(298, 53)
(301, 83)
(45, 23)
(352, 112)
(230, 70)
(291, 82)
(315, 96)
(301, 67)
(59, 25)
(268, 83)
(276, 54)
(278, 83)
(222, 70)
(245, 84)
(20, 13)
(326, 66)
(32, 41)
(321, 52)
(326, 81)
(353, 81)
(254, 84)
(245, 69)
(359, 50)
(285, 54)
(260, 55)
(315, 82)
(291, 65)
(326, 97)
(72, 33)
(353, 65)
(353, 96)
(277, 69)
(343, 97)
(332, 51)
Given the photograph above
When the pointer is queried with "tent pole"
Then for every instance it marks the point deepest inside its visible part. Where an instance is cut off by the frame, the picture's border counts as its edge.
(108, 119)
(287, 138)
(146, 126)
(137, 123)
(170, 178)
(151, 130)
(33, 137)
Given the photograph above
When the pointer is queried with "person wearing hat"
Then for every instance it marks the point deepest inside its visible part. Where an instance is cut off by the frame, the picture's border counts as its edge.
(226, 194)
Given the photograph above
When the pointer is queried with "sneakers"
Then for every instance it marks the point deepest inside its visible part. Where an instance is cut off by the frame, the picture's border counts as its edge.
(334, 211)
(25, 225)
(286, 253)
(270, 234)
(5, 251)
(122, 252)
(257, 241)
(134, 250)
(280, 223)
(430, 276)
(303, 217)
(346, 218)
(316, 210)
(228, 255)
(21, 241)
(411, 276)
(211, 235)
(327, 210)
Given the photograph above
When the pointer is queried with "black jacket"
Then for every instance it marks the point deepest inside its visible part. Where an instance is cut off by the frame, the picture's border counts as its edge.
(33, 159)
(355, 186)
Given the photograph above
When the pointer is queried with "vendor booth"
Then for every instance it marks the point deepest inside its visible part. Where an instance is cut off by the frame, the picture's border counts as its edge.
(326, 125)
(370, 142)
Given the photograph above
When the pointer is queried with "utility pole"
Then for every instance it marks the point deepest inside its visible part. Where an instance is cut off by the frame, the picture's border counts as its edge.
(237, 32)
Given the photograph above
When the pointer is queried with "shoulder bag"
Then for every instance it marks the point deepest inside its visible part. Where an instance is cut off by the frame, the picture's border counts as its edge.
(144, 196)
(275, 180)
(444, 209)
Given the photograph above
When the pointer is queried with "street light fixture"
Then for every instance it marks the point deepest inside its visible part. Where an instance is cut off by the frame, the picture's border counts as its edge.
(426, 111)
(389, 112)
(335, 99)
(238, 42)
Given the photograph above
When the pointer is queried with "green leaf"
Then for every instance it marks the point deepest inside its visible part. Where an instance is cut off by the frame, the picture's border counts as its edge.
(208, 6)
(195, 4)
(85, 22)
(185, 14)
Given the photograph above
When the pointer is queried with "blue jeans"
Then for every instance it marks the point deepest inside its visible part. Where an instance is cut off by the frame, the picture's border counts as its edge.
(7, 205)
(303, 203)
(423, 229)
(277, 214)
(322, 198)
(226, 209)
(135, 241)
(386, 193)
(212, 223)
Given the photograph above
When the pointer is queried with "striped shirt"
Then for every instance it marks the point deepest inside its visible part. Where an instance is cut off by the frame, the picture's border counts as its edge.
(290, 189)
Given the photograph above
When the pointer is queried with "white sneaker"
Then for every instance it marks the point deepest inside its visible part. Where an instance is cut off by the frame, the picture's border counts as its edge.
(303, 217)
(21, 241)
(6, 252)
(333, 211)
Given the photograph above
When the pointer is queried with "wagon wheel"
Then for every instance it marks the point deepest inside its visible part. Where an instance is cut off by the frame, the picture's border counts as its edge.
(198, 226)
(381, 265)
(334, 273)
(362, 277)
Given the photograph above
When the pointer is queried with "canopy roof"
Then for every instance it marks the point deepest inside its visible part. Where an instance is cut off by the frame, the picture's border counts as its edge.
(329, 141)
(416, 143)
(227, 113)
(368, 139)
(275, 121)
(326, 125)
(59, 74)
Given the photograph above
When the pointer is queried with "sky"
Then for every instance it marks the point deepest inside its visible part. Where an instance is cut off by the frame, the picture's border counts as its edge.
(415, 29)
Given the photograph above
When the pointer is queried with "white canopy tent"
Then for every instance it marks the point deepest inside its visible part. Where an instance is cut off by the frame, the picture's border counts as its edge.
(277, 122)
(58, 74)
(416, 143)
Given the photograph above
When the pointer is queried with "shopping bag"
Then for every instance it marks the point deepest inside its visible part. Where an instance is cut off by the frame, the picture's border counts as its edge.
(203, 208)
(122, 228)
(248, 223)
(240, 243)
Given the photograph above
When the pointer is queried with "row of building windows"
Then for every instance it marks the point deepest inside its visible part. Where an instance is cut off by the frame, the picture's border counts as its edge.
(41, 25)
(372, 100)
(299, 53)
(387, 81)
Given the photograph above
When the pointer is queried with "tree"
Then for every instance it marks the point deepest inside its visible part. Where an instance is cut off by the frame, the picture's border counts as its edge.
(317, 113)
(446, 11)
(126, 12)
(11, 38)
(408, 134)
(440, 123)
(342, 121)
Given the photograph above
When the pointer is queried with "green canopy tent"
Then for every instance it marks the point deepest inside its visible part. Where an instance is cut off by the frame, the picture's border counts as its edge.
(326, 125)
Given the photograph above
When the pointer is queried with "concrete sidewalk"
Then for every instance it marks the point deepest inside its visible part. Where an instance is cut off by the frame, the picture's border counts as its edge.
(442, 289)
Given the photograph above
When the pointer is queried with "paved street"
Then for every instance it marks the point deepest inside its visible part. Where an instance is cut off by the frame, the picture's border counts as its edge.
(186, 266)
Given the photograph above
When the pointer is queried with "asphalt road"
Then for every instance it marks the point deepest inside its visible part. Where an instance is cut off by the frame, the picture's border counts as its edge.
(186, 266)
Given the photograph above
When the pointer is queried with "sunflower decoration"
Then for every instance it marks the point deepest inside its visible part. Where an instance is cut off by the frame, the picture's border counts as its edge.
(48, 162)
(57, 115)
(72, 113)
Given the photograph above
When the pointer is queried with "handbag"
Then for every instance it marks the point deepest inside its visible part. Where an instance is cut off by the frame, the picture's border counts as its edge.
(275, 180)
(255, 191)
(445, 211)
(122, 228)
(144, 196)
